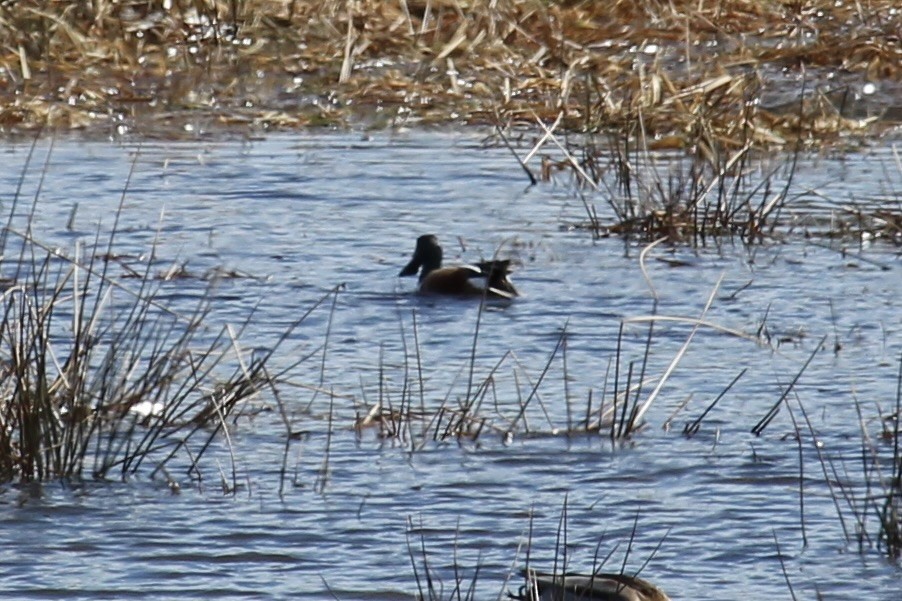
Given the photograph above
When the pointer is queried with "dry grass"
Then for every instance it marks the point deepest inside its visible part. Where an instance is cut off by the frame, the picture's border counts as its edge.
(687, 71)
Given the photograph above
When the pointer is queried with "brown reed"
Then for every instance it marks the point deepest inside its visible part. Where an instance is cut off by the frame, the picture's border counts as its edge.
(691, 73)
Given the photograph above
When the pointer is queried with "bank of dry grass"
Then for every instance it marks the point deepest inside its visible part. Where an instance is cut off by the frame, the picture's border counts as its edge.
(773, 72)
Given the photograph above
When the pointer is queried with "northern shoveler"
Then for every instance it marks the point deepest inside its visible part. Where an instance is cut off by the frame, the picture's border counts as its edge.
(487, 278)
(607, 587)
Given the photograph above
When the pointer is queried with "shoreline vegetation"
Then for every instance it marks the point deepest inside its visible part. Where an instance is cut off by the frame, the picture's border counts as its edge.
(678, 74)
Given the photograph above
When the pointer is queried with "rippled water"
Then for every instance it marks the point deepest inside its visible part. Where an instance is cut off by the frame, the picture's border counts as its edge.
(298, 215)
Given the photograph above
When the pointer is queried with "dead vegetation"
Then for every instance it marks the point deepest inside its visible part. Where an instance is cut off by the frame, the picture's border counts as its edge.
(715, 190)
(772, 73)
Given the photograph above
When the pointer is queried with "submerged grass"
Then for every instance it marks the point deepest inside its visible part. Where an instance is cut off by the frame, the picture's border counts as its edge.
(877, 513)
(440, 577)
(682, 71)
(98, 378)
(865, 489)
(505, 400)
(714, 191)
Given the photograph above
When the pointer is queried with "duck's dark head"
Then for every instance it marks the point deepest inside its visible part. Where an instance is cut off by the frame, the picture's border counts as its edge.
(427, 254)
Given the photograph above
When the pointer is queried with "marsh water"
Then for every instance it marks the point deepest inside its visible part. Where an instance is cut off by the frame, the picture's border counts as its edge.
(286, 218)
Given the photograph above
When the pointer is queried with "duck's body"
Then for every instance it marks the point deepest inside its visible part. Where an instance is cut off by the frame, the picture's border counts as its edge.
(597, 587)
(488, 278)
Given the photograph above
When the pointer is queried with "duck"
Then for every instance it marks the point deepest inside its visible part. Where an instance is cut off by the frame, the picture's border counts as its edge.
(486, 278)
(597, 587)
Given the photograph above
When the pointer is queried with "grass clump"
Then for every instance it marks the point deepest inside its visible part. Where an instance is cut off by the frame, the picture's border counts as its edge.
(877, 513)
(98, 379)
(719, 189)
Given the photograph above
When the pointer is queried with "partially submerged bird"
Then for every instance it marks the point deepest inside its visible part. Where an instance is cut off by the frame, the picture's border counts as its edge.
(488, 278)
(596, 587)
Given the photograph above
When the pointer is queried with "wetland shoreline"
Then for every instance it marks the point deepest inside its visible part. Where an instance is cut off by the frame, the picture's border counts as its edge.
(770, 74)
